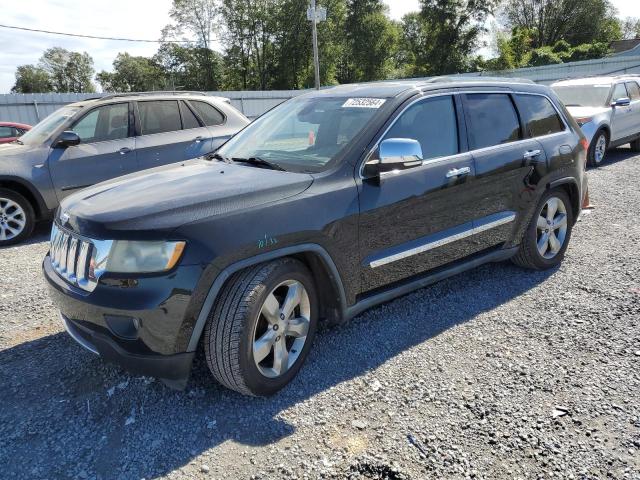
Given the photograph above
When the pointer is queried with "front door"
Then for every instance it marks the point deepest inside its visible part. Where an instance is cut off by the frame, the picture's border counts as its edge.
(623, 121)
(420, 218)
(106, 150)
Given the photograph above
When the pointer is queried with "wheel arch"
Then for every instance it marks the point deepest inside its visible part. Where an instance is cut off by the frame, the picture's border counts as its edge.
(570, 186)
(327, 280)
(28, 191)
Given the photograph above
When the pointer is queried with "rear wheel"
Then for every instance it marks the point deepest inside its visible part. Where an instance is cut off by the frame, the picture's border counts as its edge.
(547, 236)
(261, 329)
(598, 148)
(17, 217)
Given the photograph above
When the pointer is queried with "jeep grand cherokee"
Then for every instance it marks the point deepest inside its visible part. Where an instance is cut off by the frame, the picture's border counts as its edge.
(331, 203)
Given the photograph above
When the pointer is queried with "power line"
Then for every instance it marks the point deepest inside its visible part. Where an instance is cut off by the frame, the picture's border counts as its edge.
(117, 39)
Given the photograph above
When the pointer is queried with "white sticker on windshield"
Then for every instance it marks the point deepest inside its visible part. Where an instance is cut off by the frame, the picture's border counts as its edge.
(364, 103)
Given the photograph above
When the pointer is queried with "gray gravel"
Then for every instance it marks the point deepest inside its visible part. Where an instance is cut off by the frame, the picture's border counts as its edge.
(498, 373)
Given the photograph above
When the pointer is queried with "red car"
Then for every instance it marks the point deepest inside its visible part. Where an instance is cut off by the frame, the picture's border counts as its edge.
(10, 131)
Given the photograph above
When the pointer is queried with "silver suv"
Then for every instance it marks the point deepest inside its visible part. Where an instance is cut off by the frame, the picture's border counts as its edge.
(95, 140)
(607, 109)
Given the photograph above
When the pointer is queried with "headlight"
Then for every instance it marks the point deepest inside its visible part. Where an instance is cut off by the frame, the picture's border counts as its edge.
(143, 257)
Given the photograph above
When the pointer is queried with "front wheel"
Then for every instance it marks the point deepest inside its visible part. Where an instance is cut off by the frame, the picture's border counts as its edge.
(261, 329)
(598, 148)
(17, 217)
(547, 236)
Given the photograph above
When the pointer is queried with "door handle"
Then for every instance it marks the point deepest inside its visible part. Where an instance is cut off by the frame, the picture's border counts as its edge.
(458, 172)
(124, 150)
(531, 154)
(198, 139)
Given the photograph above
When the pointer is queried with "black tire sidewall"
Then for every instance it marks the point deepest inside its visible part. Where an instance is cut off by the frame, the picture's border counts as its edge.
(541, 262)
(257, 383)
(592, 148)
(28, 210)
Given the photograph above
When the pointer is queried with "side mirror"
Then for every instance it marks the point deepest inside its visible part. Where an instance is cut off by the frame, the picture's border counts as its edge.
(622, 102)
(67, 139)
(394, 154)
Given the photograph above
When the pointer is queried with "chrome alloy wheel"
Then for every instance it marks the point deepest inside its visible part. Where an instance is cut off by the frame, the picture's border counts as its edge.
(281, 329)
(552, 228)
(12, 219)
(600, 148)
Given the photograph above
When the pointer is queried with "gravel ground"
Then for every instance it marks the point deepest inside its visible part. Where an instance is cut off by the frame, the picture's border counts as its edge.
(497, 373)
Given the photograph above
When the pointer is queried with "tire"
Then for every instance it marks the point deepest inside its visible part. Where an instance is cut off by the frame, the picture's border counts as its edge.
(17, 217)
(530, 255)
(238, 331)
(596, 153)
(635, 145)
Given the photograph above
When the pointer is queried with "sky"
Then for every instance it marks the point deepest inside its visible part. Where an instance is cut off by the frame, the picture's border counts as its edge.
(142, 19)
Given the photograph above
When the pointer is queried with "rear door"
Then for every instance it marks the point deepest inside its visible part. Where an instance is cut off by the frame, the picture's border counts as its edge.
(503, 158)
(106, 150)
(216, 122)
(418, 219)
(169, 132)
(633, 89)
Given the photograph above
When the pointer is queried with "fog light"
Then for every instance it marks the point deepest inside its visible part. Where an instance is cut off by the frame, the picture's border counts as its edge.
(123, 327)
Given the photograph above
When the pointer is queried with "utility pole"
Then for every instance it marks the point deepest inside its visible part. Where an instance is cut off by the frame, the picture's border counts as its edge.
(316, 15)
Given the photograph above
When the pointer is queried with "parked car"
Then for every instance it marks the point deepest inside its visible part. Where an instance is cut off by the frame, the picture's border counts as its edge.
(607, 109)
(10, 131)
(95, 140)
(331, 203)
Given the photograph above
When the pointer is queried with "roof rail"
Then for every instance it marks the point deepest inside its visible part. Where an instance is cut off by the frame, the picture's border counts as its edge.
(478, 78)
(155, 92)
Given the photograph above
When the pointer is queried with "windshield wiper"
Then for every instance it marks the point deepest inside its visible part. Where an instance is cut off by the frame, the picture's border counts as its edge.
(217, 156)
(261, 162)
(19, 142)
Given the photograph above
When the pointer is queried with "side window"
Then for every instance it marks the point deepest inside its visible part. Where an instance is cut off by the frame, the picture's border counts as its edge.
(634, 90)
(492, 119)
(6, 132)
(110, 122)
(189, 120)
(538, 115)
(159, 116)
(431, 122)
(208, 113)
(619, 91)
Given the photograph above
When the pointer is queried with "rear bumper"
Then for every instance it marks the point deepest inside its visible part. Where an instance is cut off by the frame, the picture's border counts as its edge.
(173, 368)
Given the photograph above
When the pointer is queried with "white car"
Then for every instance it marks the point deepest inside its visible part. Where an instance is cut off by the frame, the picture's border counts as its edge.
(606, 108)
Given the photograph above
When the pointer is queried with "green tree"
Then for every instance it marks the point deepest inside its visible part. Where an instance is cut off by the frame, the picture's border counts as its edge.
(442, 37)
(68, 71)
(371, 42)
(132, 74)
(190, 68)
(630, 28)
(32, 79)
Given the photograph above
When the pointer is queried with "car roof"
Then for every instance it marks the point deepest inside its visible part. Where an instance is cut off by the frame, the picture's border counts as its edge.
(394, 88)
(14, 124)
(594, 80)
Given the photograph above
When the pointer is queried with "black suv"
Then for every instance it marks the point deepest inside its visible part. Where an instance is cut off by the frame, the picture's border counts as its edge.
(331, 203)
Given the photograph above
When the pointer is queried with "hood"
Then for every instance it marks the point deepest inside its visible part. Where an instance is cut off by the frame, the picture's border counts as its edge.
(170, 196)
(579, 112)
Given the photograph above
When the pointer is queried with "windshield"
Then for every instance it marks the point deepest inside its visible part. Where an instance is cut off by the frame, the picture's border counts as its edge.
(46, 127)
(303, 134)
(583, 95)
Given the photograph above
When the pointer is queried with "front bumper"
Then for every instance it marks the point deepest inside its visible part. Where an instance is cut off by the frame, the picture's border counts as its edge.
(137, 324)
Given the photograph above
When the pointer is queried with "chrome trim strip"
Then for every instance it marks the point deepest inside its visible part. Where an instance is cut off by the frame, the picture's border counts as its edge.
(439, 243)
(77, 337)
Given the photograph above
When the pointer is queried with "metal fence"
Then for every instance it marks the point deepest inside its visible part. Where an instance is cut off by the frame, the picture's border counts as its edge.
(31, 108)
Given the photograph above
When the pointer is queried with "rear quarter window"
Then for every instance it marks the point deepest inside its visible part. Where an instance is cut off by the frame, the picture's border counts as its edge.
(209, 114)
(492, 119)
(538, 115)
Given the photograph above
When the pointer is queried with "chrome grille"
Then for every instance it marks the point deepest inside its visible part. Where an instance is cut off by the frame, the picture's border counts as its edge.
(71, 257)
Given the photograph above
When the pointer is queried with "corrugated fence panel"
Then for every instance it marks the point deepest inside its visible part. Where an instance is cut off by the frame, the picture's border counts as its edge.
(31, 108)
